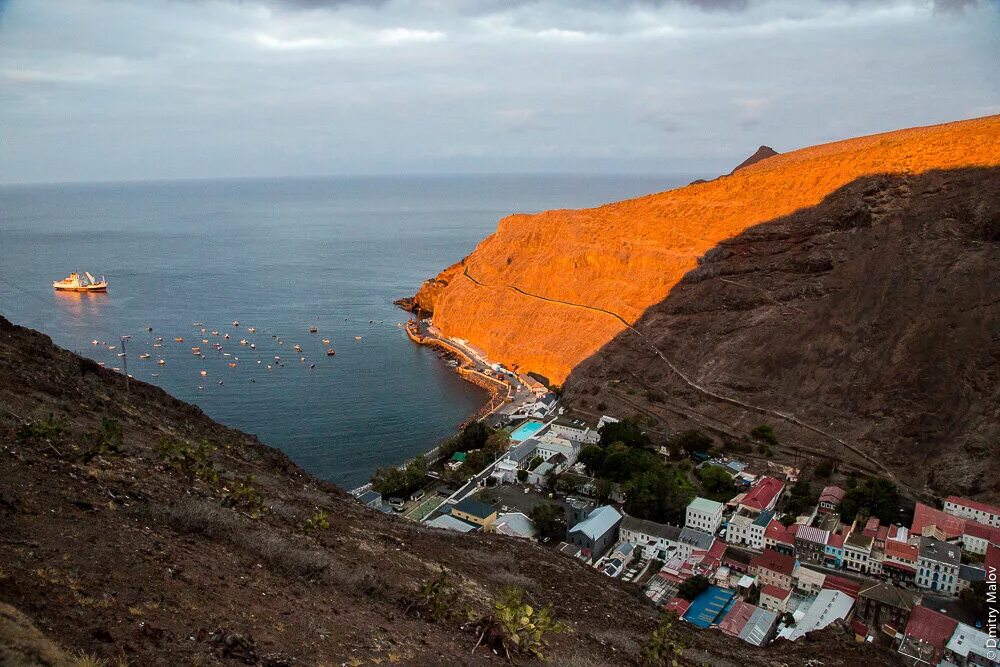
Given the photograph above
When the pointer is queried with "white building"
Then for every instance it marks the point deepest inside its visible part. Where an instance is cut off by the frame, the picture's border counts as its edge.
(748, 528)
(973, 509)
(703, 514)
(829, 606)
(549, 445)
(575, 431)
(858, 552)
(656, 540)
(937, 565)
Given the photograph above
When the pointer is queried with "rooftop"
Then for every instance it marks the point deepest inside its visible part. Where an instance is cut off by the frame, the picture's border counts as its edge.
(705, 506)
(369, 497)
(777, 532)
(810, 534)
(886, 593)
(475, 508)
(930, 626)
(775, 591)
(772, 560)
(598, 522)
(860, 541)
(973, 504)
(448, 522)
(942, 552)
(971, 573)
(696, 538)
(847, 586)
(764, 518)
(829, 606)
(832, 494)
(925, 516)
(763, 493)
(966, 640)
(661, 530)
(901, 550)
(516, 524)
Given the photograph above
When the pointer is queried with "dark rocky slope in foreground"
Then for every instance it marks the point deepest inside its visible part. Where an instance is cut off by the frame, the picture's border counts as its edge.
(151, 552)
(874, 317)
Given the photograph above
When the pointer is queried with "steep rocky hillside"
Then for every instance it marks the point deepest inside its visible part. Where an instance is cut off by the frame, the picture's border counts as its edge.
(547, 291)
(873, 317)
(134, 529)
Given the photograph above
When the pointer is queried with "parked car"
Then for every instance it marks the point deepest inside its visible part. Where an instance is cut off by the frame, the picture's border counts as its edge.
(417, 495)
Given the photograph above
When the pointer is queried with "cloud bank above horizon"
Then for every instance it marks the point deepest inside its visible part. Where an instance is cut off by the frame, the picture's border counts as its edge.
(114, 90)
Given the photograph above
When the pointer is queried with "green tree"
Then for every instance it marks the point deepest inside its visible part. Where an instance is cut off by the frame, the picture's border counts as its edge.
(592, 457)
(874, 497)
(717, 482)
(522, 476)
(764, 433)
(627, 431)
(690, 442)
(693, 587)
(801, 498)
(658, 495)
(549, 520)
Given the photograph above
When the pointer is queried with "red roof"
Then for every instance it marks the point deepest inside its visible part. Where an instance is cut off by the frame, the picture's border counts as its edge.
(772, 560)
(836, 540)
(763, 493)
(775, 591)
(992, 558)
(832, 494)
(846, 586)
(883, 532)
(982, 531)
(871, 528)
(923, 516)
(859, 628)
(901, 551)
(973, 504)
(677, 605)
(930, 627)
(777, 532)
(737, 618)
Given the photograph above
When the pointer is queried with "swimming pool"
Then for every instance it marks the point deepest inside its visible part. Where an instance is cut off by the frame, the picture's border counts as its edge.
(526, 430)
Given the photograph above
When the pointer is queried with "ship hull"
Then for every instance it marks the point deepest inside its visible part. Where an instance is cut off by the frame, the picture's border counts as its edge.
(87, 288)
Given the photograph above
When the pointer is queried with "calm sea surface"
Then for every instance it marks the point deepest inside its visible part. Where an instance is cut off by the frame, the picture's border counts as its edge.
(281, 256)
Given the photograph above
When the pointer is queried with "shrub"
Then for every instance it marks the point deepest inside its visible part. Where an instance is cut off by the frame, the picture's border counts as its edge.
(665, 645)
(516, 628)
(105, 441)
(765, 433)
(245, 497)
(693, 587)
(522, 476)
(318, 521)
(194, 461)
(436, 600)
(47, 429)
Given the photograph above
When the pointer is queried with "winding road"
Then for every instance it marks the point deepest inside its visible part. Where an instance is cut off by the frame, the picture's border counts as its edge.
(784, 416)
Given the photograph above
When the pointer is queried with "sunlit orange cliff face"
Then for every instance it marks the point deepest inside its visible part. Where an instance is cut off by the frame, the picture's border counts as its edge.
(546, 291)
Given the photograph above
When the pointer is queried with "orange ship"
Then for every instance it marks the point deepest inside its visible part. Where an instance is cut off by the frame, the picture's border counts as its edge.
(77, 283)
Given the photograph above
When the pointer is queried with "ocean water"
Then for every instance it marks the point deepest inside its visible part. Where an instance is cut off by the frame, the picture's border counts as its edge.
(281, 256)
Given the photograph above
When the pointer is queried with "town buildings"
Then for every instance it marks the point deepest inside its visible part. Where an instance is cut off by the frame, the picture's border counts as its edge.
(937, 565)
(773, 568)
(598, 532)
(704, 514)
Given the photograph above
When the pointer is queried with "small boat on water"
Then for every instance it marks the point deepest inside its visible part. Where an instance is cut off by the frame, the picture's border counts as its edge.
(326, 341)
(215, 333)
(297, 347)
(252, 329)
(236, 323)
(195, 350)
(159, 339)
(252, 346)
(178, 340)
(162, 362)
(93, 342)
(226, 336)
(243, 341)
(204, 373)
(357, 338)
(313, 329)
(77, 283)
(232, 365)
(157, 344)
(156, 375)
(204, 340)
(149, 329)
(331, 352)
(144, 355)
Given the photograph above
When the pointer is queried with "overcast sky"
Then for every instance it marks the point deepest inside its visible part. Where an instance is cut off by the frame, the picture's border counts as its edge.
(122, 89)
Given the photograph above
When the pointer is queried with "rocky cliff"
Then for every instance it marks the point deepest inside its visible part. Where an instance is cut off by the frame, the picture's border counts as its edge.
(547, 291)
(135, 530)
